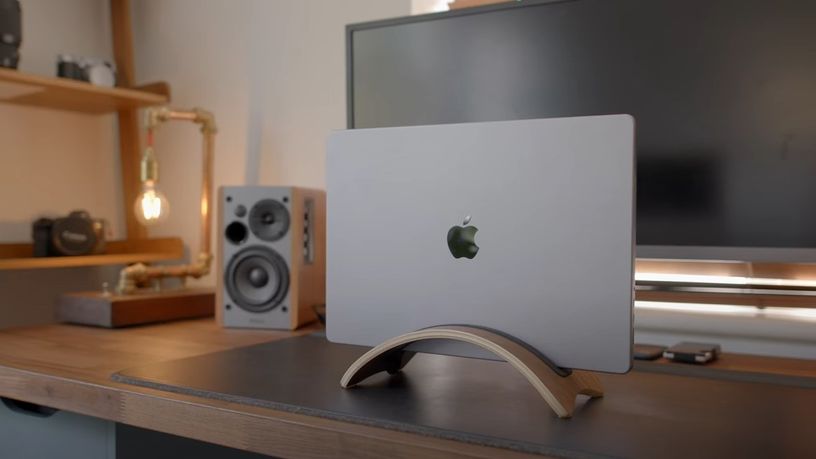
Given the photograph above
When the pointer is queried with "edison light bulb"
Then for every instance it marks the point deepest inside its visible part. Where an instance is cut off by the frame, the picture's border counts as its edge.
(151, 205)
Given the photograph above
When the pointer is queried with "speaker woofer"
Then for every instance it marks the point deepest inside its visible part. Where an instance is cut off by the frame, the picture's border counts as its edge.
(257, 279)
(269, 220)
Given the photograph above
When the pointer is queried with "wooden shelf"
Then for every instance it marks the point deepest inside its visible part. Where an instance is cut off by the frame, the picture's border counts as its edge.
(19, 256)
(79, 96)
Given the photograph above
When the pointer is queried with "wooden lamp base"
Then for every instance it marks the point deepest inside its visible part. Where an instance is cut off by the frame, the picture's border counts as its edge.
(112, 311)
(557, 386)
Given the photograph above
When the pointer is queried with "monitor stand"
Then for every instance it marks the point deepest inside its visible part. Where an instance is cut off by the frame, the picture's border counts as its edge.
(557, 386)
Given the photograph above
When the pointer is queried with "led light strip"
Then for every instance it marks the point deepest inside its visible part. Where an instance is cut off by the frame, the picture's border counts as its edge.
(796, 314)
(699, 308)
(690, 278)
(731, 280)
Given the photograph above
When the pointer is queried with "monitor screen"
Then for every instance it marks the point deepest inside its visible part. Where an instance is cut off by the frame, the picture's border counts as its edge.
(723, 93)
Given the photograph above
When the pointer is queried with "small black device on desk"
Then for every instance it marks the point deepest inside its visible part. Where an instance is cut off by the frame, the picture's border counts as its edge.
(647, 351)
(687, 352)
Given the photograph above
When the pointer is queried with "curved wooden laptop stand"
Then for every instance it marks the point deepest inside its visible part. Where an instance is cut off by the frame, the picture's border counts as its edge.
(557, 386)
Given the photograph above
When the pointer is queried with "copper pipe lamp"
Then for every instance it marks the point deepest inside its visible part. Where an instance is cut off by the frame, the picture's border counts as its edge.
(151, 205)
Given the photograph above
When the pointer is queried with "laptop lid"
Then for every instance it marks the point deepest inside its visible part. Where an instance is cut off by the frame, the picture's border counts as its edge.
(526, 227)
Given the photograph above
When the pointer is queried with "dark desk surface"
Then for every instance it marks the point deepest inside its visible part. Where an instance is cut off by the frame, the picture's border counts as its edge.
(488, 403)
(69, 367)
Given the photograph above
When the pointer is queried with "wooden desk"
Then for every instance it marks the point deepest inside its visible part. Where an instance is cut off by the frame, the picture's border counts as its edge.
(69, 367)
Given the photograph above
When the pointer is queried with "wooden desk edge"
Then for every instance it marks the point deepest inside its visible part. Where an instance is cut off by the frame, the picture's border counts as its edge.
(243, 427)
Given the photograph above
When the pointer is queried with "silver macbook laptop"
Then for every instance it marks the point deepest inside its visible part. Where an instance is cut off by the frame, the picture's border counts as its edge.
(526, 227)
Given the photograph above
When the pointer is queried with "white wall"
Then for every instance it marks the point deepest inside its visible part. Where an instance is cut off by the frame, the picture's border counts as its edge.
(52, 162)
(273, 72)
(300, 85)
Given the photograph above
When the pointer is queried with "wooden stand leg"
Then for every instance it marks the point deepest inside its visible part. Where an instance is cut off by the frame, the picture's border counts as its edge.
(558, 390)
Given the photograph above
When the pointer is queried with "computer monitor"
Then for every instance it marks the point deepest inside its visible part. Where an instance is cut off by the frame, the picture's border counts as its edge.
(723, 93)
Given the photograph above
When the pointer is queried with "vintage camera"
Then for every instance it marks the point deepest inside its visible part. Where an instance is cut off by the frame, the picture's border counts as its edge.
(10, 33)
(76, 234)
(93, 70)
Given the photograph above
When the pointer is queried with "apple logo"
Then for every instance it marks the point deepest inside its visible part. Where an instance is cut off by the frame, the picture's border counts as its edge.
(461, 240)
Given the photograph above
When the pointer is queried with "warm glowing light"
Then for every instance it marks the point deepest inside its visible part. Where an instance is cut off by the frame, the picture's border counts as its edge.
(731, 280)
(793, 314)
(151, 205)
(699, 308)
(690, 278)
